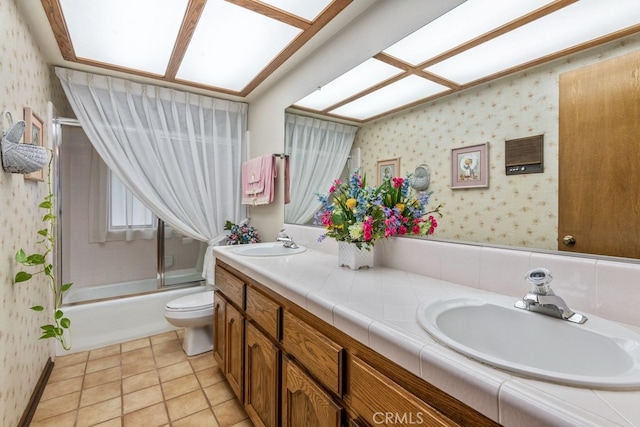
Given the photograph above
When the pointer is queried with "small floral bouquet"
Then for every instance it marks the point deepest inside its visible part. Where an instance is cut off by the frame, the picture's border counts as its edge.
(241, 234)
(353, 212)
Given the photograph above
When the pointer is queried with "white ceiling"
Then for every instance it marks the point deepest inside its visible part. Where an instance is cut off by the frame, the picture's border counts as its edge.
(237, 48)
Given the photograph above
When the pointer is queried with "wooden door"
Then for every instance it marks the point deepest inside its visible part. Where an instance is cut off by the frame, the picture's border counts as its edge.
(262, 374)
(219, 327)
(599, 164)
(305, 403)
(234, 366)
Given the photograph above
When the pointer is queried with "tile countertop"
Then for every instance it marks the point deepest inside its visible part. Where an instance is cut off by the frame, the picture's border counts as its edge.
(378, 307)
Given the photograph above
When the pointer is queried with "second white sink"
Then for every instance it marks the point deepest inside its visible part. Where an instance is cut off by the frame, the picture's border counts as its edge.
(597, 354)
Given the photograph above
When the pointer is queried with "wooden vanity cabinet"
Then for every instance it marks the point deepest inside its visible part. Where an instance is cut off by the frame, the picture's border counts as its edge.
(304, 402)
(290, 368)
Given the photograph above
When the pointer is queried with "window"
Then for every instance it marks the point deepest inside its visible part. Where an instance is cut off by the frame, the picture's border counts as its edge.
(125, 209)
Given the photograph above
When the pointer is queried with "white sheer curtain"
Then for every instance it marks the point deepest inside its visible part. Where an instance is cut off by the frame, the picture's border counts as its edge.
(318, 151)
(179, 153)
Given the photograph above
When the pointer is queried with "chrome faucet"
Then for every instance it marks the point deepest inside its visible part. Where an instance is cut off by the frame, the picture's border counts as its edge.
(541, 298)
(287, 241)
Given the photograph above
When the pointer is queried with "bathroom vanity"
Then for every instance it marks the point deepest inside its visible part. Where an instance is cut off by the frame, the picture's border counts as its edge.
(299, 337)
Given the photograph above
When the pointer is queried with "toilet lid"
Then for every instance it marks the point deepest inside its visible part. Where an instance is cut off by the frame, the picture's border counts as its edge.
(192, 301)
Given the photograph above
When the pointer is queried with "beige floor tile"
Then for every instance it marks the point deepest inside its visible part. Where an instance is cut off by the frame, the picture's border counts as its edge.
(229, 413)
(135, 344)
(171, 358)
(219, 392)
(210, 376)
(107, 362)
(199, 419)
(151, 416)
(60, 388)
(142, 398)
(95, 379)
(100, 393)
(100, 412)
(180, 386)
(66, 372)
(63, 420)
(244, 423)
(114, 422)
(140, 381)
(203, 361)
(187, 404)
(160, 338)
(138, 367)
(101, 352)
(137, 354)
(174, 371)
(56, 406)
(71, 359)
(167, 347)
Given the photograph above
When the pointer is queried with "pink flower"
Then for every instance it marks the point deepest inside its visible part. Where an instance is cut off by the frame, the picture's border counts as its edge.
(397, 182)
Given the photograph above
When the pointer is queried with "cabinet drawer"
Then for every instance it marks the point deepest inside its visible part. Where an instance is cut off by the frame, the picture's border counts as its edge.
(318, 354)
(263, 312)
(230, 286)
(381, 401)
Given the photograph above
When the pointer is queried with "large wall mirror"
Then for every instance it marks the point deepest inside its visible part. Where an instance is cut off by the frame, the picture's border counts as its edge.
(514, 210)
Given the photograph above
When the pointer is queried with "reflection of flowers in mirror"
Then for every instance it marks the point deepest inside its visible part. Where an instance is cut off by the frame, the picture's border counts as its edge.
(354, 212)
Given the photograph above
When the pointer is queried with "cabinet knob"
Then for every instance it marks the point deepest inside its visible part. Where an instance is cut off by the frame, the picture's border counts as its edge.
(569, 240)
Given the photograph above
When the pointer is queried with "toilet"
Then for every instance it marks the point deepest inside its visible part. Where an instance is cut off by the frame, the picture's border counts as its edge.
(193, 312)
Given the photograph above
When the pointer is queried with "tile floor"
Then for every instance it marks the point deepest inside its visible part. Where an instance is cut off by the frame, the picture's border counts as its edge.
(142, 383)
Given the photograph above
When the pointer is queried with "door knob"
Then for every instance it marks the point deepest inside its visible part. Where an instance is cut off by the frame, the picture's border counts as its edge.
(569, 240)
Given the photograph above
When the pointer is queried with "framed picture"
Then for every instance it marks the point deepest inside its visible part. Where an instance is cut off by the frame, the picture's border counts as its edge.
(388, 169)
(33, 134)
(470, 166)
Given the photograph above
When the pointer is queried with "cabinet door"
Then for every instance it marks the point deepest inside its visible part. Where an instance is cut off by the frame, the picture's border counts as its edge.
(234, 356)
(262, 372)
(304, 403)
(219, 323)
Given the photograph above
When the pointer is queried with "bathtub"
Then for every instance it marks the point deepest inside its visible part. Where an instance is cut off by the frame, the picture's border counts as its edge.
(104, 322)
(97, 292)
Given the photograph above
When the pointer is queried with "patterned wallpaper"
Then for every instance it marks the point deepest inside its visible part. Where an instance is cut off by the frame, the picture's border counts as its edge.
(25, 80)
(515, 210)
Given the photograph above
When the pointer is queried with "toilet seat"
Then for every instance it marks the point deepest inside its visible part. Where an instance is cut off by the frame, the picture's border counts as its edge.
(191, 302)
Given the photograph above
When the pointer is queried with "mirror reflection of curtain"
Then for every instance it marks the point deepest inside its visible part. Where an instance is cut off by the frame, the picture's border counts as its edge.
(318, 151)
(179, 153)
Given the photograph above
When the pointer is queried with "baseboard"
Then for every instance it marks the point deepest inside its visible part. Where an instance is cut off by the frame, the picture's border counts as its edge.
(30, 410)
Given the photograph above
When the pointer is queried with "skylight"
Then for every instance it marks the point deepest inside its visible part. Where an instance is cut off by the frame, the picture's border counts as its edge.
(140, 39)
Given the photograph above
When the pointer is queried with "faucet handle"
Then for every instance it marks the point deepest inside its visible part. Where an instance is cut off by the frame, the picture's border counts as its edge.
(539, 279)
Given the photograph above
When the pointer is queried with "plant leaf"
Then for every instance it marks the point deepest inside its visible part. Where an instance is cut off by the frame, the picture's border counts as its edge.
(21, 256)
(58, 314)
(65, 287)
(22, 276)
(37, 308)
(65, 322)
(35, 259)
(43, 232)
(45, 205)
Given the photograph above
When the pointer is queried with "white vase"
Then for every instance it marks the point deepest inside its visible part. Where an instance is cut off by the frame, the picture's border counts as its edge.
(350, 256)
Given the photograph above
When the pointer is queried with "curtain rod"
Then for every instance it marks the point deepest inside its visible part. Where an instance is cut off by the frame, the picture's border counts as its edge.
(281, 155)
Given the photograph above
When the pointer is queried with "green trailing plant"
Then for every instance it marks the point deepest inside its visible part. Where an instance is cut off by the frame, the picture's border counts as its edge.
(58, 329)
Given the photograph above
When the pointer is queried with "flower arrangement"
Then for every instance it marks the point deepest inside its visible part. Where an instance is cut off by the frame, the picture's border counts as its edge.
(241, 234)
(354, 212)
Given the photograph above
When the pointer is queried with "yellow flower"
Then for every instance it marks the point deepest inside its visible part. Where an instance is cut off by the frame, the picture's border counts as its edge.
(351, 203)
(400, 207)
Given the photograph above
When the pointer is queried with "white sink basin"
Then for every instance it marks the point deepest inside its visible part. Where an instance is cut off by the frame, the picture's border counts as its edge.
(267, 249)
(597, 354)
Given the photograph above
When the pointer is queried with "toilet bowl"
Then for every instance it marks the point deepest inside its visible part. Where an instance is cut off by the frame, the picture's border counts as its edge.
(193, 312)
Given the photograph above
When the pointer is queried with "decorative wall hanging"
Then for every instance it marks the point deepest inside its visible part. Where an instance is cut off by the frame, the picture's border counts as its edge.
(34, 135)
(421, 178)
(470, 166)
(388, 169)
(17, 157)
